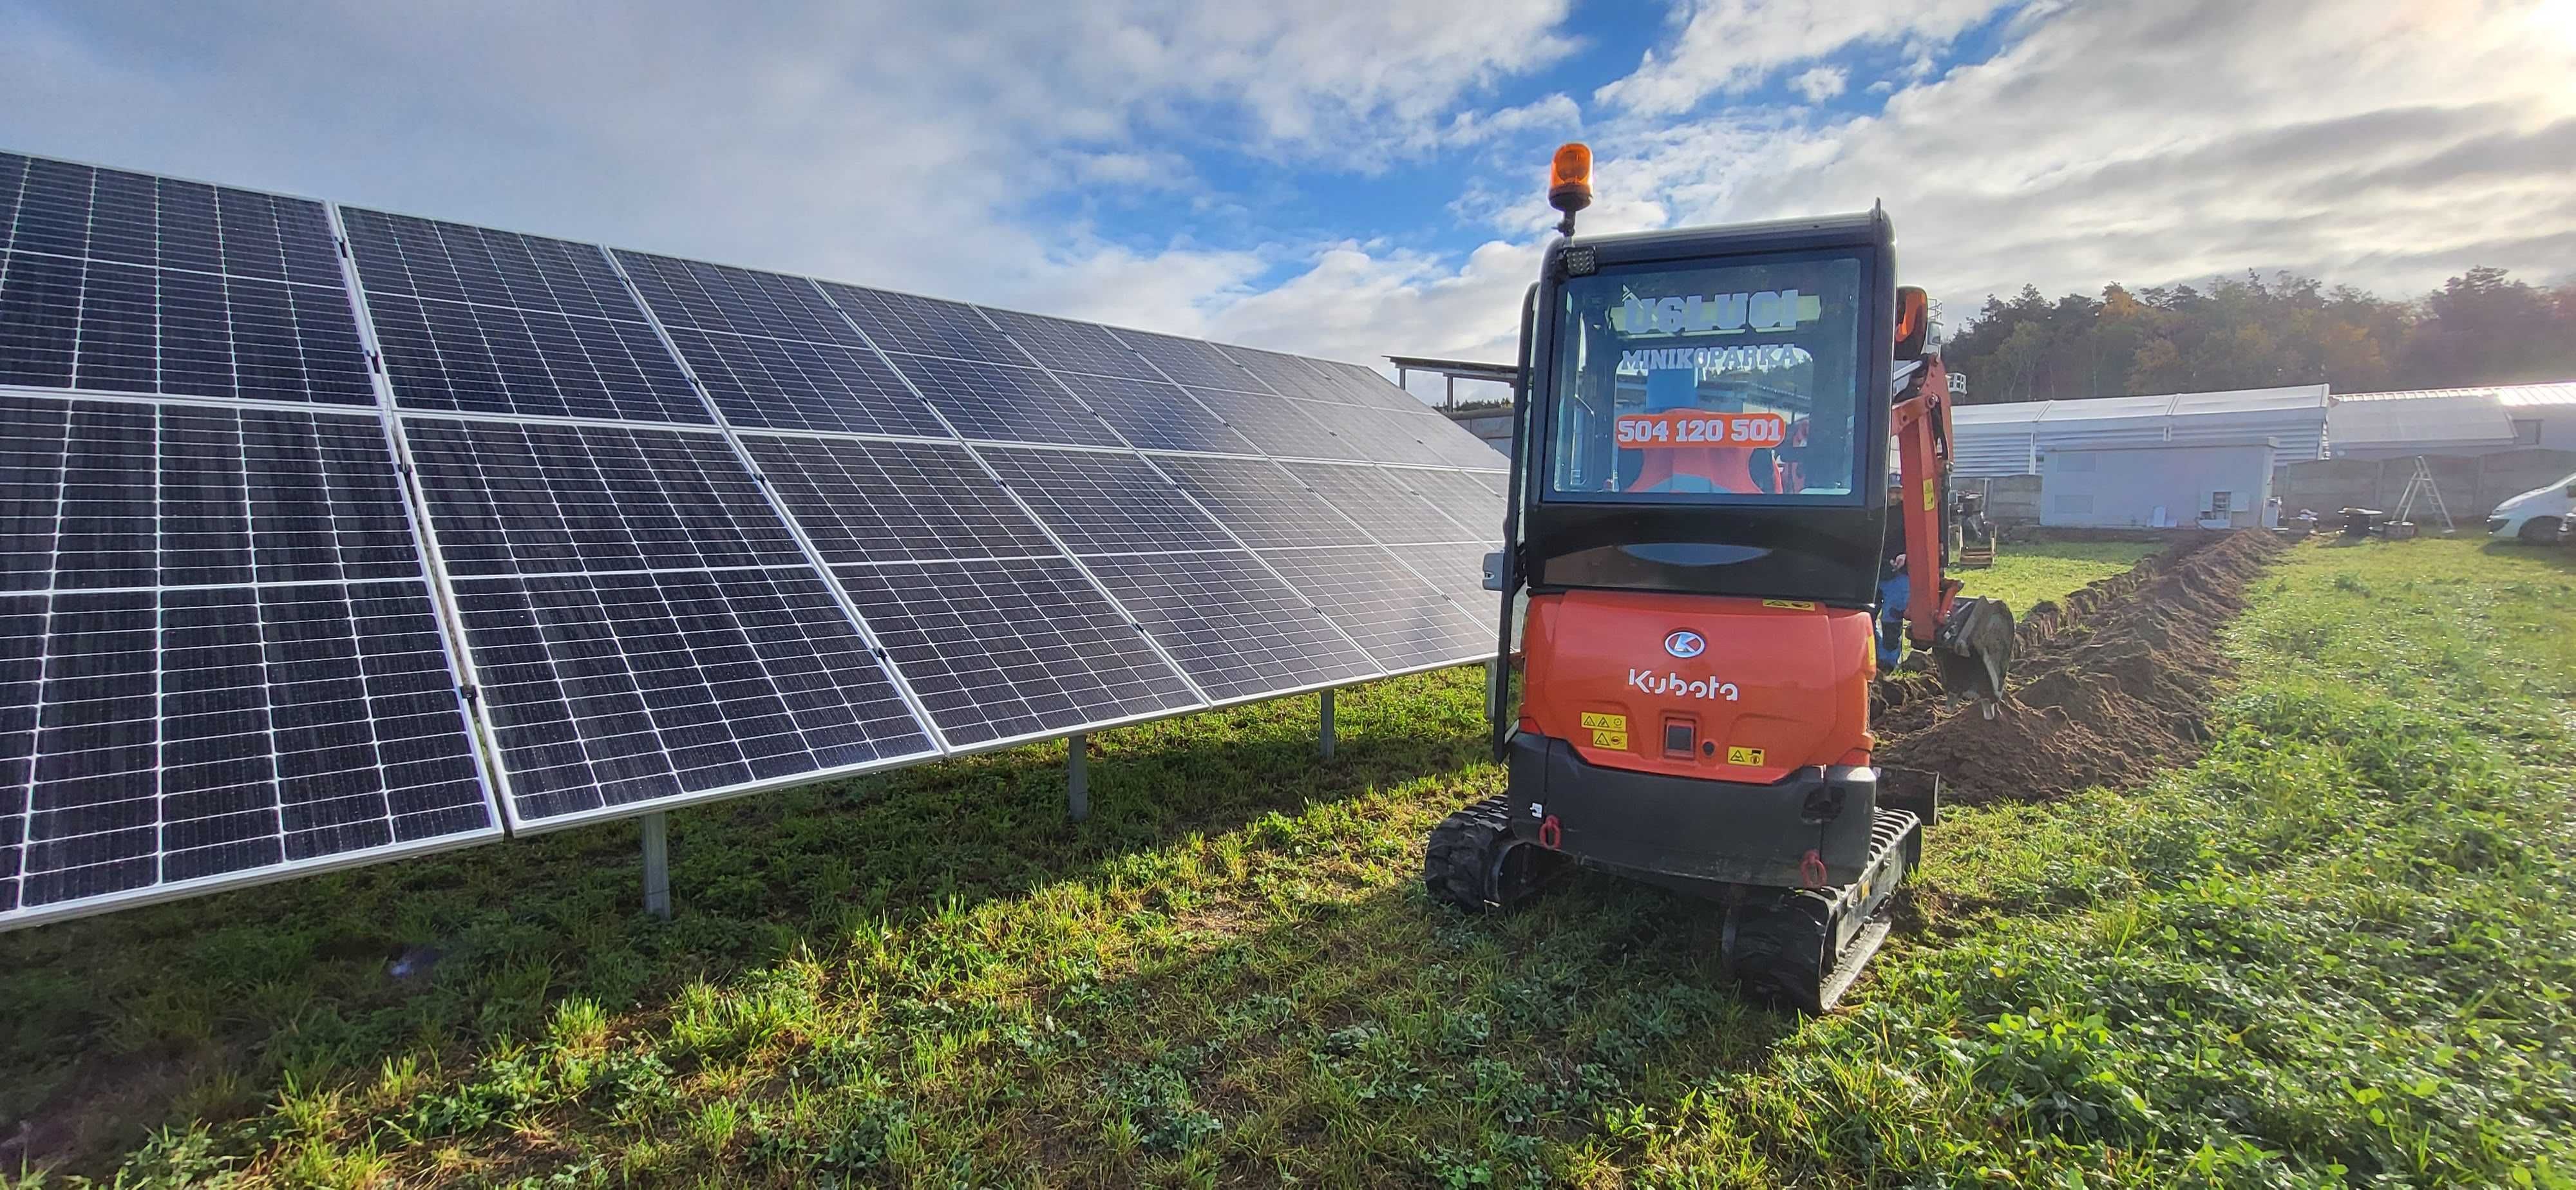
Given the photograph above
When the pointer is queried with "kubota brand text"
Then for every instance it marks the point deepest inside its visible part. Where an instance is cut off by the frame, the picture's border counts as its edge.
(1679, 686)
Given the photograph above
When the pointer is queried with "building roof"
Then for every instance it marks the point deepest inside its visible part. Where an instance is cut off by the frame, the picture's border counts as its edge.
(2460, 418)
(2510, 395)
(2006, 439)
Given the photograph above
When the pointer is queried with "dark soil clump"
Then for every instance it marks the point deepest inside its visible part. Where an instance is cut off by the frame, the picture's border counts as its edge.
(2108, 686)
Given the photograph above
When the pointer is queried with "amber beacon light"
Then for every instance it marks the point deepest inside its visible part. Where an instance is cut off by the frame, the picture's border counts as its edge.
(1569, 182)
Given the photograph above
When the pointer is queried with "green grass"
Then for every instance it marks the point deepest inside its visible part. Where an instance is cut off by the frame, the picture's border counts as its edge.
(2338, 950)
(2024, 574)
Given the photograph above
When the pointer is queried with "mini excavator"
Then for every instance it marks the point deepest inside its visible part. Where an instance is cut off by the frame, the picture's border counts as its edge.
(1705, 524)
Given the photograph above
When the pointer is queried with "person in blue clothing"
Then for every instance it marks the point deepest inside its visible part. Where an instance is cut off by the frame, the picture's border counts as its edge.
(1894, 593)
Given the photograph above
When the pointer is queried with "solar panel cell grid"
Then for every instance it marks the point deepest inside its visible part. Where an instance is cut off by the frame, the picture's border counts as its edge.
(712, 297)
(1376, 497)
(1460, 495)
(67, 323)
(788, 384)
(1237, 630)
(1401, 619)
(97, 494)
(1156, 416)
(1285, 375)
(456, 262)
(1377, 436)
(894, 501)
(631, 690)
(533, 499)
(1105, 503)
(993, 402)
(1277, 426)
(498, 359)
(1010, 648)
(1079, 347)
(168, 736)
(1261, 502)
(1189, 362)
(924, 326)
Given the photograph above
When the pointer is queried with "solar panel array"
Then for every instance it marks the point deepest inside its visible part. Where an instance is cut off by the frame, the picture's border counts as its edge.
(302, 500)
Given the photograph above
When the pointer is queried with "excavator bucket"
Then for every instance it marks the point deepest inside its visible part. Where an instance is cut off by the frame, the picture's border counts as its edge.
(1973, 652)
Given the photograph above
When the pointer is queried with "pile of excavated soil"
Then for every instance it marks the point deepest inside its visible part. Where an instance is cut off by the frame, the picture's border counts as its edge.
(2108, 686)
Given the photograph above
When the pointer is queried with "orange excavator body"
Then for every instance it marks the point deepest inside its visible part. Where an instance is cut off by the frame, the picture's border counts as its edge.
(1771, 686)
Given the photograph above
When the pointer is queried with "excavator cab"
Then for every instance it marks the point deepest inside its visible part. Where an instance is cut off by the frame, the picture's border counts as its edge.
(1703, 520)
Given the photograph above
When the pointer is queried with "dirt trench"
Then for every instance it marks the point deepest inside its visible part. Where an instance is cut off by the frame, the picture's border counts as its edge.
(2108, 686)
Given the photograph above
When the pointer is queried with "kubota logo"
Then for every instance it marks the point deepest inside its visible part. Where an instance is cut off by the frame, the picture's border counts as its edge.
(1679, 686)
(1685, 644)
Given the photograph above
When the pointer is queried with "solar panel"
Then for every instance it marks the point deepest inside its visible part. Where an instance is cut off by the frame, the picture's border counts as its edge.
(1276, 426)
(1359, 385)
(895, 501)
(1013, 648)
(702, 530)
(1077, 347)
(1403, 620)
(1261, 502)
(1384, 504)
(219, 660)
(118, 282)
(1189, 362)
(1237, 630)
(1379, 436)
(1003, 403)
(1465, 499)
(645, 628)
(483, 321)
(1285, 375)
(611, 694)
(1456, 567)
(1156, 416)
(521, 498)
(773, 353)
(1100, 502)
(900, 322)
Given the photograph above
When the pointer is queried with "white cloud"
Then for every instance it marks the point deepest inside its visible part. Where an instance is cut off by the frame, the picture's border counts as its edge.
(1821, 83)
(1731, 45)
(2146, 144)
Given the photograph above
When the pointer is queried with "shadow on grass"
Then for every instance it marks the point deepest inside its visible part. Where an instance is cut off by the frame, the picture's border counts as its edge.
(1382, 1040)
(194, 1010)
(2556, 557)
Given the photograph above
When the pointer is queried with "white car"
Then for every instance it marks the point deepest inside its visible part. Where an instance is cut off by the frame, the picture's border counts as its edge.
(2534, 517)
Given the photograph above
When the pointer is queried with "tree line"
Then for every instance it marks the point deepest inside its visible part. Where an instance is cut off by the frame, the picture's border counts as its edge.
(2482, 327)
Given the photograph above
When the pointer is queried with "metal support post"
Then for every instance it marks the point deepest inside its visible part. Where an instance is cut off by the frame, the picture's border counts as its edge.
(1077, 777)
(1324, 732)
(657, 865)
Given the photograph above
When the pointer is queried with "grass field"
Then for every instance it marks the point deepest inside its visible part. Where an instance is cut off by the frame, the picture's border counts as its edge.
(2024, 574)
(2338, 949)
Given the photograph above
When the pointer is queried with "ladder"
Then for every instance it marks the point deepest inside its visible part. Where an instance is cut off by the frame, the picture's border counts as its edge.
(2419, 487)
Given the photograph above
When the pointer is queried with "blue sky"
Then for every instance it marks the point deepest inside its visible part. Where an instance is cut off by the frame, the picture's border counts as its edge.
(1359, 177)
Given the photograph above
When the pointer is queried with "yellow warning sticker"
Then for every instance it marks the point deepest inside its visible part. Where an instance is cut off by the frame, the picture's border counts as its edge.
(1600, 722)
(1930, 501)
(1792, 604)
(1610, 739)
(1750, 757)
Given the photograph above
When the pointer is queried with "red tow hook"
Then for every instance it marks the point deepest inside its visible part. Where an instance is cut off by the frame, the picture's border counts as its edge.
(1812, 870)
(1550, 835)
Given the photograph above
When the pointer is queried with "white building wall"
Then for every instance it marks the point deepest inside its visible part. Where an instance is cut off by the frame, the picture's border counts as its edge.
(2120, 487)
